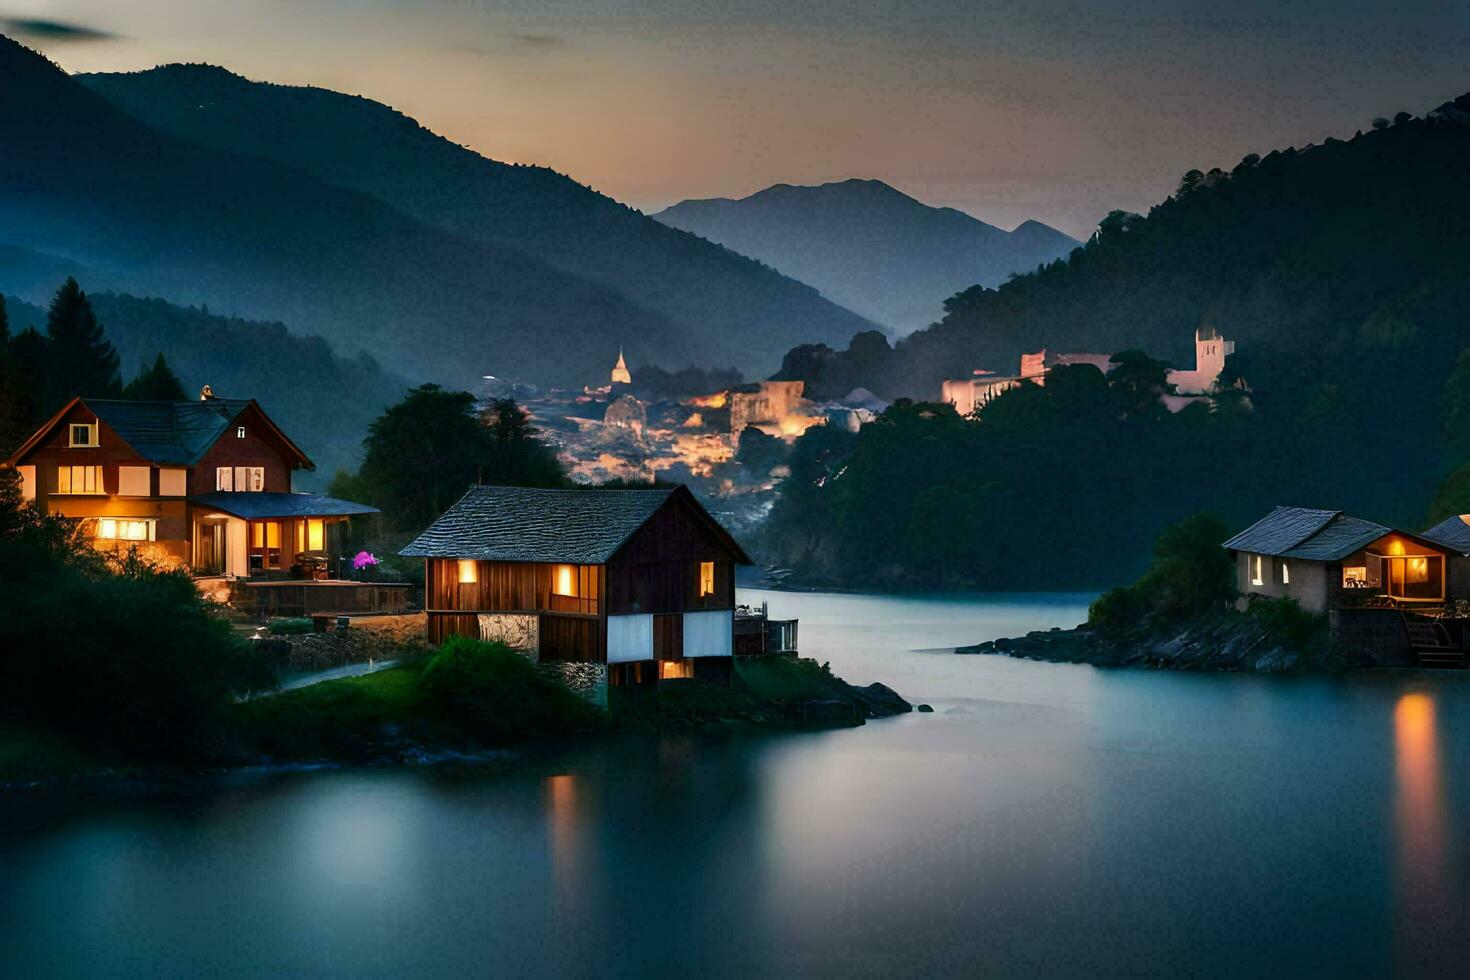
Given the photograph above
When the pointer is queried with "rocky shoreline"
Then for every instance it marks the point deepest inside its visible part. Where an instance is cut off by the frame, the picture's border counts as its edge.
(1216, 642)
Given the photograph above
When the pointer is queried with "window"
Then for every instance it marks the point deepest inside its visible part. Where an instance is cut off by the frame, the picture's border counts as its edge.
(239, 432)
(82, 435)
(1285, 574)
(134, 481)
(671, 669)
(79, 479)
(126, 529)
(1256, 578)
(467, 573)
(240, 479)
(172, 483)
(316, 534)
(706, 578)
(564, 581)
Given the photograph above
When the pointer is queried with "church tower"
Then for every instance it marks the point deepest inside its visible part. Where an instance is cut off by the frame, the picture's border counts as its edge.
(620, 373)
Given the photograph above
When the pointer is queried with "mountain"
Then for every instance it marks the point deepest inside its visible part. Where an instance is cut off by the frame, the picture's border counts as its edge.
(869, 247)
(727, 310)
(324, 401)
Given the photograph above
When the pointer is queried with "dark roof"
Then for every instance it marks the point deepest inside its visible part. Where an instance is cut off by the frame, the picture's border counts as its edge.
(1312, 535)
(262, 506)
(586, 527)
(1452, 532)
(168, 432)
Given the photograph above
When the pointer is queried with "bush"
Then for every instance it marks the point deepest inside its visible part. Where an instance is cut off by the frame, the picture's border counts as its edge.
(1285, 621)
(134, 664)
(493, 693)
(1190, 574)
(290, 627)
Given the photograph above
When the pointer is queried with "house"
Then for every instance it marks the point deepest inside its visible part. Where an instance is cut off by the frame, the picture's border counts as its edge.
(1325, 559)
(968, 395)
(203, 485)
(635, 586)
(1453, 533)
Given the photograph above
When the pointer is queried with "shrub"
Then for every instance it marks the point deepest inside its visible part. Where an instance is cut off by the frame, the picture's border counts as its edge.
(1285, 621)
(493, 693)
(1190, 574)
(290, 627)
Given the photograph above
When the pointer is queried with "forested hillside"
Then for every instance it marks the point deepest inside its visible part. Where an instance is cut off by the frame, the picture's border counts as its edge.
(1339, 270)
(727, 309)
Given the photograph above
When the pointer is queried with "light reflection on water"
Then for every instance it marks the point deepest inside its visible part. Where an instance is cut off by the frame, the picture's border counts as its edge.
(1044, 820)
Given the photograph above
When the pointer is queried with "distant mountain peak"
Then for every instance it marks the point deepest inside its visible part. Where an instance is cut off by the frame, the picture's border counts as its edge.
(869, 246)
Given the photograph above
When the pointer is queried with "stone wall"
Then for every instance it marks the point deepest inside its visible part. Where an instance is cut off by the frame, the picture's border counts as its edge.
(587, 681)
(516, 630)
(1376, 635)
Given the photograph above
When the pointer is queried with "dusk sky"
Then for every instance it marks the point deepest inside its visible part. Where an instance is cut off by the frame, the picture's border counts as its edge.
(1046, 109)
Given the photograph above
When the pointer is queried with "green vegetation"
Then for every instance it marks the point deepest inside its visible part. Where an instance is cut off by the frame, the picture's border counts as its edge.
(492, 694)
(290, 627)
(1348, 311)
(110, 655)
(422, 453)
(1190, 575)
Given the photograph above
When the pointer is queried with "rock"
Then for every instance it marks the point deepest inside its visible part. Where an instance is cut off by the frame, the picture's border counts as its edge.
(880, 700)
(924, 709)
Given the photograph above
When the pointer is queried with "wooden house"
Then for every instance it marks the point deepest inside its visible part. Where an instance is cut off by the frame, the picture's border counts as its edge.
(641, 581)
(1325, 559)
(202, 484)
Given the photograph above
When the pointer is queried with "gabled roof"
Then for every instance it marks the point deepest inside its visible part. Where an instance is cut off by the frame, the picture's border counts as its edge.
(585, 527)
(1312, 535)
(1452, 533)
(176, 433)
(263, 506)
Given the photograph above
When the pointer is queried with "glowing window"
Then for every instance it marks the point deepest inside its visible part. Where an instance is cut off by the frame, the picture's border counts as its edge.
(669, 669)
(125, 529)
(1352, 577)
(467, 573)
(1256, 570)
(79, 479)
(564, 581)
(1417, 570)
(316, 535)
(706, 578)
(240, 432)
(1285, 574)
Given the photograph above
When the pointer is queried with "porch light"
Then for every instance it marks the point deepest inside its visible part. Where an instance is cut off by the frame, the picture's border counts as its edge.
(467, 573)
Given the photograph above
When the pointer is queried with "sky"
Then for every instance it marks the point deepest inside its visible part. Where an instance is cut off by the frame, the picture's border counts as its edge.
(1057, 110)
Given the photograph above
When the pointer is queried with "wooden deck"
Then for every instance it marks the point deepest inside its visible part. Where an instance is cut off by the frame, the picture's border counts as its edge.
(317, 598)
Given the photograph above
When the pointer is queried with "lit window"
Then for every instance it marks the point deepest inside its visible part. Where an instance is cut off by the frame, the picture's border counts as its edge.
(1285, 574)
(671, 669)
(79, 479)
(316, 531)
(125, 529)
(224, 478)
(1256, 570)
(1418, 570)
(173, 482)
(134, 481)
(706, 578)
(239, 432)
(564, 581)
(83, 434)
(467, 575)
(1355, 576)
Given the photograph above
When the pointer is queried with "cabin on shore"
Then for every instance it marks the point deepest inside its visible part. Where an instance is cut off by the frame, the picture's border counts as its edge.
(204, 486)
(637, 586)
(1325, 559)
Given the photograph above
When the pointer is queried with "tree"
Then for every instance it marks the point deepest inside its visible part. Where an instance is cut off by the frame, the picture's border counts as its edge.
(83, 362)
(424, 452)
(1139, 380)
(156, 383)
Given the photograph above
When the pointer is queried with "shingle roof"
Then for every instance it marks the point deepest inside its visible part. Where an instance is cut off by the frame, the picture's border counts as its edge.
(169, 432)
(585, 527)
(1280, 530)
(1311, 535)
(261, 506)
(1452, 532)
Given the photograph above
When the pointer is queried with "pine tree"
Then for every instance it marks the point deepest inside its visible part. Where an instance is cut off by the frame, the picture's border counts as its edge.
(83, 362)
(156, 383)
(15, 399)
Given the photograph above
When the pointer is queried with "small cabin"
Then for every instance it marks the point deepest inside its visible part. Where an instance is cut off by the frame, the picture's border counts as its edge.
(638, 582)
(1325, 559)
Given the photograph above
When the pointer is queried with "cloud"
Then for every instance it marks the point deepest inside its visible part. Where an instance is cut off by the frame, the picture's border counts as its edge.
(53, 30)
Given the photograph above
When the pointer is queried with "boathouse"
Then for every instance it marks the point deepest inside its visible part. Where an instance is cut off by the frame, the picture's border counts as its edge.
(639, 585)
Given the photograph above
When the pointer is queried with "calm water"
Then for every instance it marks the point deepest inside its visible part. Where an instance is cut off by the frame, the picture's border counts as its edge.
(1046, 819)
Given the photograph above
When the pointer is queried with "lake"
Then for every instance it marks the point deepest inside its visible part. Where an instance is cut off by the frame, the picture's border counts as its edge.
(1045, 820)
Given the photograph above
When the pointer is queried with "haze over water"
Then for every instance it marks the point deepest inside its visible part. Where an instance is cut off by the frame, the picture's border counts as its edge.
(1046, 819)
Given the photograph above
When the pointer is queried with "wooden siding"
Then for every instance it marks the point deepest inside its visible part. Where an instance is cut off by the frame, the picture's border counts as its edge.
(657, 570)
(571, 638)
(502, 586)
(260, 447)
(668, 637)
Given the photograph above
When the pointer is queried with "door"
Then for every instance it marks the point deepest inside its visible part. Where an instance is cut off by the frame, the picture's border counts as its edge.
(209, 549)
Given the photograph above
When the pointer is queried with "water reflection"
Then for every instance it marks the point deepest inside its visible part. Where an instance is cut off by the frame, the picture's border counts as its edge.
(1420, 828)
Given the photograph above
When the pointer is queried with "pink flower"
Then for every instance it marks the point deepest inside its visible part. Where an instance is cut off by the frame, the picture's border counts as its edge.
(363, 560)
